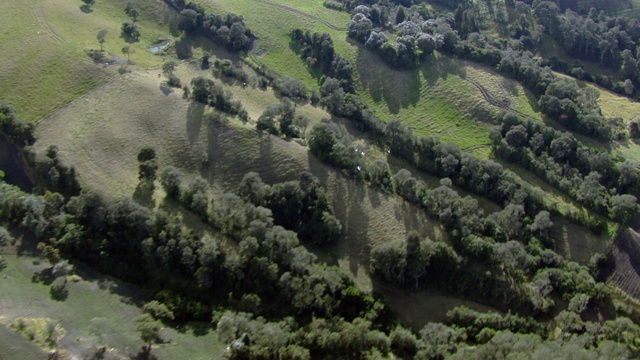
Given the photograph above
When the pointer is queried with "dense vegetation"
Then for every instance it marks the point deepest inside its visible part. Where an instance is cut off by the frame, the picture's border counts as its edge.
(251, 274)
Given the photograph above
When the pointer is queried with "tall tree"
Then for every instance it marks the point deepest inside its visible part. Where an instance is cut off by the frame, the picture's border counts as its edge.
(132, 12)
(102, 34)
(127, 51)
(149, 330)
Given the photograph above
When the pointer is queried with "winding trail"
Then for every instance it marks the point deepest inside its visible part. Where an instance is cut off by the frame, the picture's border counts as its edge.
(487, 97)
(302, 13)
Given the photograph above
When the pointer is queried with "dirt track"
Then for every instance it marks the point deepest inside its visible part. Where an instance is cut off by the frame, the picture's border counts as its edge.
(302, 13)
(487, 97)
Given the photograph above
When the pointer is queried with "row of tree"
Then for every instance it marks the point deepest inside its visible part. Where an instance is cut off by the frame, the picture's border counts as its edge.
(227, 30)
(592, 177)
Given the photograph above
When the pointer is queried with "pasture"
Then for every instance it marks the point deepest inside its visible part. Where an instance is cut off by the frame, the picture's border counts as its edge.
(98, 311)
(44, 64)
(102, 138)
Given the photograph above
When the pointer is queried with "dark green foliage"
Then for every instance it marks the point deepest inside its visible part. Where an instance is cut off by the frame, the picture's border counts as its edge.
(131, 11)
(298, 205)
(207, 92)
(291, 88)
(130, 32)
(318, 52)
(226, 30)
(16, 131)
(170, 180)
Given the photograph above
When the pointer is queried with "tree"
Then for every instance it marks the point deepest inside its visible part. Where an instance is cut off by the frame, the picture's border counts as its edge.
(170, 180)
(149, 330)
(623, 208)
(400, 15)
(88, 3)
(130, 32)
(169, 67)
(101, 37)
(147, 167)
(132, 12)
(415, 267)
(127, 51)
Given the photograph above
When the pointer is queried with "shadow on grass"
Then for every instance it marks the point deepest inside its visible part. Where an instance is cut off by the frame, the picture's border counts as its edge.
(143, 195)
(86, 9)
(397, 89)
(195, 114)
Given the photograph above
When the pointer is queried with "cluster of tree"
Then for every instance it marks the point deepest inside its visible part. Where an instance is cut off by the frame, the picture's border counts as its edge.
(227, 30)
(225, 67)
(414, 41)
(317, 51)
(301, 206)
(492, 256)
(51, 173)
(608, 41)
(207, 92)
(590, 176)
(193, 274)
(561, 99)
(282, 119)
(16, 131)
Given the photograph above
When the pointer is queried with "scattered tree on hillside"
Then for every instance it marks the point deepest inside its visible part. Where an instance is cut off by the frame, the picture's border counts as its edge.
(147, 168)
(88, 3)
(130, 32)
(169, 67)
(132, 12)
(127, 51)
(102, 34)
(149, 330)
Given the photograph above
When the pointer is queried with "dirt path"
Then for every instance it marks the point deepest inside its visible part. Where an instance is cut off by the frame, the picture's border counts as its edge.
(299, 12)
(42, 17)
(487, 97)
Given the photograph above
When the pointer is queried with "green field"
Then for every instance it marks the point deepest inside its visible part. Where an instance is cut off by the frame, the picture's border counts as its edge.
(272, 22)
(44, 65)
(98, 311)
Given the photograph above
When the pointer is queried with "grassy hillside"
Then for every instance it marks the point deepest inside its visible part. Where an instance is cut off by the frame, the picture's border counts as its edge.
(98, 311)
(44, 64)
(102, 133)
(272, 21)
(443, 97)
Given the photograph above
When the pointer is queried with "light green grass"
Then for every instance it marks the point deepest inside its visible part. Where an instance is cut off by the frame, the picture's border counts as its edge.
(436, 99)
(43, 64)
(97, 311)
(272, 25)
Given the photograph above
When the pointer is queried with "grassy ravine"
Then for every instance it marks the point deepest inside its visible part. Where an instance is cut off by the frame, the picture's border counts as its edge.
(43, 64)
(98, 311)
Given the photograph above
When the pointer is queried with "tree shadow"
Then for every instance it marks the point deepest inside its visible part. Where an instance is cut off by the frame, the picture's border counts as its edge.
(166, 89)
(86, 9)
(397, 89)
(143, 195)
(195, 114)
(44, 276)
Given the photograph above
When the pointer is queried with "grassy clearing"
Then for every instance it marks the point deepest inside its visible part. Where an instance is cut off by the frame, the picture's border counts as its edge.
(436, 99)
(44, 65)
(98, 311)
(272, 22)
